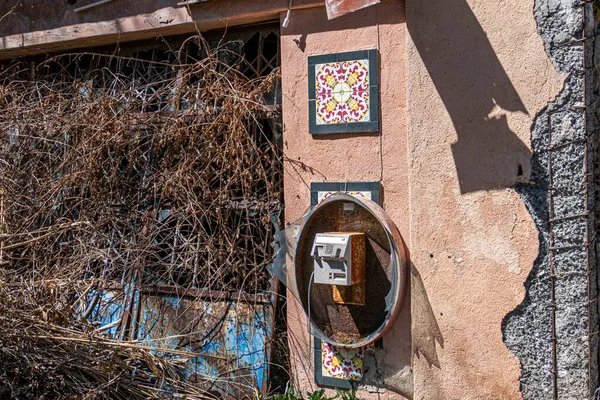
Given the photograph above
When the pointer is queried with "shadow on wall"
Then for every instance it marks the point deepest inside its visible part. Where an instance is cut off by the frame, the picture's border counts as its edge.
(426, 331)
(418, 315)
(475, 91)
(385, 13)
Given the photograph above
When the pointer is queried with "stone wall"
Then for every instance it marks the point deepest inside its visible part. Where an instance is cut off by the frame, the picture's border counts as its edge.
(553, 331)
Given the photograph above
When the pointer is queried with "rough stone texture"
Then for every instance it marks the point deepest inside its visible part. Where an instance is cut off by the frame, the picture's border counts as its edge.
(528, 329)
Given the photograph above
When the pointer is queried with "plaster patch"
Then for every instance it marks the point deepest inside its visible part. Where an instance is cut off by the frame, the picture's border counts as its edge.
(485, 240)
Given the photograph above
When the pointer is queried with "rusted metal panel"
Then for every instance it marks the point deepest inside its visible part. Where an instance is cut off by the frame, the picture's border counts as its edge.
(105, 309)
(229, 340)
(337, 8)
(225, 339)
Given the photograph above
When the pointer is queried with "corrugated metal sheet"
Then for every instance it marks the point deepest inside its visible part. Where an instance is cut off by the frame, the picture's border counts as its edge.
(337, 8)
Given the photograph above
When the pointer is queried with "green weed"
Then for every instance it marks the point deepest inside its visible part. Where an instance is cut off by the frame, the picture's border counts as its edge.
(317, 395)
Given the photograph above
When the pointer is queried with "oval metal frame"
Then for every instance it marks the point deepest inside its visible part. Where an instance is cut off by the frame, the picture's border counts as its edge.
(399, 260)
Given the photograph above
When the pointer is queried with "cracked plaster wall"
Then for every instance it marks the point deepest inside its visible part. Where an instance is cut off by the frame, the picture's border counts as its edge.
(528, 329)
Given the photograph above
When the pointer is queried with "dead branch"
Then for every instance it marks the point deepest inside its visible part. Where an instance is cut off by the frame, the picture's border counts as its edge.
(112, 184)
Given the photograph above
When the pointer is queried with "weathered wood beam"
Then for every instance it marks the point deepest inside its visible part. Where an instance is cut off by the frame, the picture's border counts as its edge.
(162, 22)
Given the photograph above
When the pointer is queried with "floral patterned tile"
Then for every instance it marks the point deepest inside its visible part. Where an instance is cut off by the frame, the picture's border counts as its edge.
(343, 92)
(322, 195)
(342, 363)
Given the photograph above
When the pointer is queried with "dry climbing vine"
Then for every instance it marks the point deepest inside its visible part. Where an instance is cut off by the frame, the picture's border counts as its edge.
(109, 182)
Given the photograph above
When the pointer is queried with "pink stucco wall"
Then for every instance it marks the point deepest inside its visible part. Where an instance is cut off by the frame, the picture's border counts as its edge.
(477, 75)
(458, 94)
(346, 157)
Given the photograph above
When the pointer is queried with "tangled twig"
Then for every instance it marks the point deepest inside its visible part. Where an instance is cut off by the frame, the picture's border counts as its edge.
(112, 180)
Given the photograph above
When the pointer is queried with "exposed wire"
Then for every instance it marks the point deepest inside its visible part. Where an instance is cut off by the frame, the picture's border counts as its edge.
(310, 282)
(92, 5)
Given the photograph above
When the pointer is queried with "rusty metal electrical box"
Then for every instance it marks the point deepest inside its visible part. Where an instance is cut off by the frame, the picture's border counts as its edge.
(339, 260)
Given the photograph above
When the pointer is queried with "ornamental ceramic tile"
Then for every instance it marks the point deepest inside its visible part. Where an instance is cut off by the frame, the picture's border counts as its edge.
(343, 92)
(342, 363)
(358, 194)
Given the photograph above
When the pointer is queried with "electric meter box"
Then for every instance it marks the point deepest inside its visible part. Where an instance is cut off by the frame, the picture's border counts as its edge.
(339, 258)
